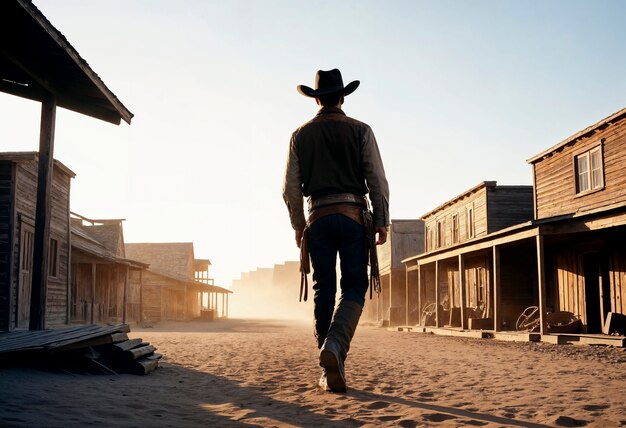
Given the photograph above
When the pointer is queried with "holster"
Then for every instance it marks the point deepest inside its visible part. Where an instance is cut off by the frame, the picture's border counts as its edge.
(360, 215)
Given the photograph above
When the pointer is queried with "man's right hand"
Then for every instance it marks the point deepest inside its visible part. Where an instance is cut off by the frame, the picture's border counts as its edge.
(299, 233)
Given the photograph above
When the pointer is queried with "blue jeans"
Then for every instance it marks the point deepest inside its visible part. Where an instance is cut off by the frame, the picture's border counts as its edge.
(328, 236)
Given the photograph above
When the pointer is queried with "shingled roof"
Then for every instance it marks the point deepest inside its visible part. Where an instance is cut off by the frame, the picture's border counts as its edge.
(174, 259)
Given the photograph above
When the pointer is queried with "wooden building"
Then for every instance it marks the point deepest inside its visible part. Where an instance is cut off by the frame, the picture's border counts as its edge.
(101, 290)
(172, 288)
(568, 261)
(389, 307)
(457, 237)
(38, 63)
(18, 190)
(580, 202)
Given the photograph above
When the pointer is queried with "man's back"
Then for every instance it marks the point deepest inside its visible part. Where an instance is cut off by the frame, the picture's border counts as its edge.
(329, 149)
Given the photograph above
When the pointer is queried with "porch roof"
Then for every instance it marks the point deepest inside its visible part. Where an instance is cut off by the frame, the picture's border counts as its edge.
(37, 61)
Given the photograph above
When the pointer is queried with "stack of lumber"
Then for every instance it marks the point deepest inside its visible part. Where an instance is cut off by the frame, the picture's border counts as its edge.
(100, 348)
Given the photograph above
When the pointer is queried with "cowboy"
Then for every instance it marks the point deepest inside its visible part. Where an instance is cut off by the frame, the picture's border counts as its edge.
(335, 162)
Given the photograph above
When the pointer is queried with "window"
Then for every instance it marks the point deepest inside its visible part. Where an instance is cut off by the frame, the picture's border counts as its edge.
(469, 218)
(589, 170)
(441, 233)
(455, 229)
(53, 258)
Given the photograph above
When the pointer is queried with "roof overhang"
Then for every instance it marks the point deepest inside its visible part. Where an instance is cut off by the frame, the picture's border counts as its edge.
(37, 62)
(590, 130)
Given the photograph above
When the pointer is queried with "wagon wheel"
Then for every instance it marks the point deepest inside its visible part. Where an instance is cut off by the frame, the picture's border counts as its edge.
(528, 320)
(427, 311)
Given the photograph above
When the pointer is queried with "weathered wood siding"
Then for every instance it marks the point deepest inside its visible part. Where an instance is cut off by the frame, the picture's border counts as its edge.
(405, 239)
(163, 298)
(508, 206)
(26, 201)
(7, 240)
(617, 272)
(569, 281)
(555, 185)
(477, 201)
(478, 288)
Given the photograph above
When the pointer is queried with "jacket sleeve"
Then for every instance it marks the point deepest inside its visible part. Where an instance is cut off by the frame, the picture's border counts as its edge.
(292, 188)
(375, 179)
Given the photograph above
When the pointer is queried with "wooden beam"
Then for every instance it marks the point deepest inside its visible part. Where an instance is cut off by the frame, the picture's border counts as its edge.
(141, 295)
(482, 245)
(126, 279)
(462, 291)
(419, 296)
(437, 293)
(42, 216)
(581, 225)
(541, 281)
(497, 289)
(69, 260)
(93, 291)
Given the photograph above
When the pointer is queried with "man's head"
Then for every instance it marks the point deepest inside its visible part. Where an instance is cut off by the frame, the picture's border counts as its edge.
(330, 100)
(329, 89)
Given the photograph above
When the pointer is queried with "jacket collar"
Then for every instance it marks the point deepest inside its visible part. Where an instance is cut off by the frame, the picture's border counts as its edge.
(330, 110)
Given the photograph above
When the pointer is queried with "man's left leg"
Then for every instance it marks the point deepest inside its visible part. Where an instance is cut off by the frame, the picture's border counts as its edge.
(353, 256)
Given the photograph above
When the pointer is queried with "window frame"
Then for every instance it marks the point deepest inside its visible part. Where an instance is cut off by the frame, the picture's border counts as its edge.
(470, 220)
(588, 155)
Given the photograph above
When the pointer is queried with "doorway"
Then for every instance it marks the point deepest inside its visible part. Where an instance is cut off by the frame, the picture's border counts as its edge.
(597, 291)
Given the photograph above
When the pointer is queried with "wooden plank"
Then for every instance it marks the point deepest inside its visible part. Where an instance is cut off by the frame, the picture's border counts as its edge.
(42, 216)
(103, 340)
(39, 339)
(144, 366)
(497, 289)
(615, 323)
(127, 345)
(462, 291)
(541, 281)
(136, 353)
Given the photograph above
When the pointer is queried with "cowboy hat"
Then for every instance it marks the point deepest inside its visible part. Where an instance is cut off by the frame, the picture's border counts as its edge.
(328, 82)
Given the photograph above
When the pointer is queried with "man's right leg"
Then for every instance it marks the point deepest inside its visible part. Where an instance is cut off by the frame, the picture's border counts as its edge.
(323, 253)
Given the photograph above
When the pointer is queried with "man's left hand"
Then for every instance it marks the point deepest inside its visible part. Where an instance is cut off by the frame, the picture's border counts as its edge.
(382, 235)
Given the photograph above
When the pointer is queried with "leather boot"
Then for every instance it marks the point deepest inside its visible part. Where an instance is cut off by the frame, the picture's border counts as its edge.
(337, 344)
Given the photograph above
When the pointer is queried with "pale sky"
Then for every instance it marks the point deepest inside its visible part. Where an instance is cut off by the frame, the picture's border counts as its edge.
(457, 92)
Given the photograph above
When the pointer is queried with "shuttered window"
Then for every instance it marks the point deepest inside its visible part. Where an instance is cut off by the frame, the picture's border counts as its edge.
(589, 170)
(53, 258)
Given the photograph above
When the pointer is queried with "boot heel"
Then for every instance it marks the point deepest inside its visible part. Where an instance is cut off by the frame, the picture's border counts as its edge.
(334, 377)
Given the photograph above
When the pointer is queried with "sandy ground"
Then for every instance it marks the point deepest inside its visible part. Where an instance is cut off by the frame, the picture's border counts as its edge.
(263, 373)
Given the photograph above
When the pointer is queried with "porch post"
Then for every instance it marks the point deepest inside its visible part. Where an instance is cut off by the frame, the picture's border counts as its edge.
(437, 293)
(497, 294)
(541, 281)
(141, 295)
(42, 216)
(419, 295)
(462, 291)
(93, 291)
(124, 314)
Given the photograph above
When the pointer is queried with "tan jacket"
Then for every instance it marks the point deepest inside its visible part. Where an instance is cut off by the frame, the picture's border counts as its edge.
(333, 154)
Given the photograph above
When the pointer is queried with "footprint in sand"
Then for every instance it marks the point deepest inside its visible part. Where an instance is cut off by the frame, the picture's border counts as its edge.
(475, 423)
(378, 405)
(426, 394)
(388, 418)
(437, 417)
(595, 407)
(406, 423)
(566, 421)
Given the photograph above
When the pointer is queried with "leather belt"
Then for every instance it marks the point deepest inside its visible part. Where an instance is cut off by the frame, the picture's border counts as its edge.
(339, 198)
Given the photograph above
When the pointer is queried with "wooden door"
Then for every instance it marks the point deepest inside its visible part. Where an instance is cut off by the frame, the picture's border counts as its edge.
(27, 235)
